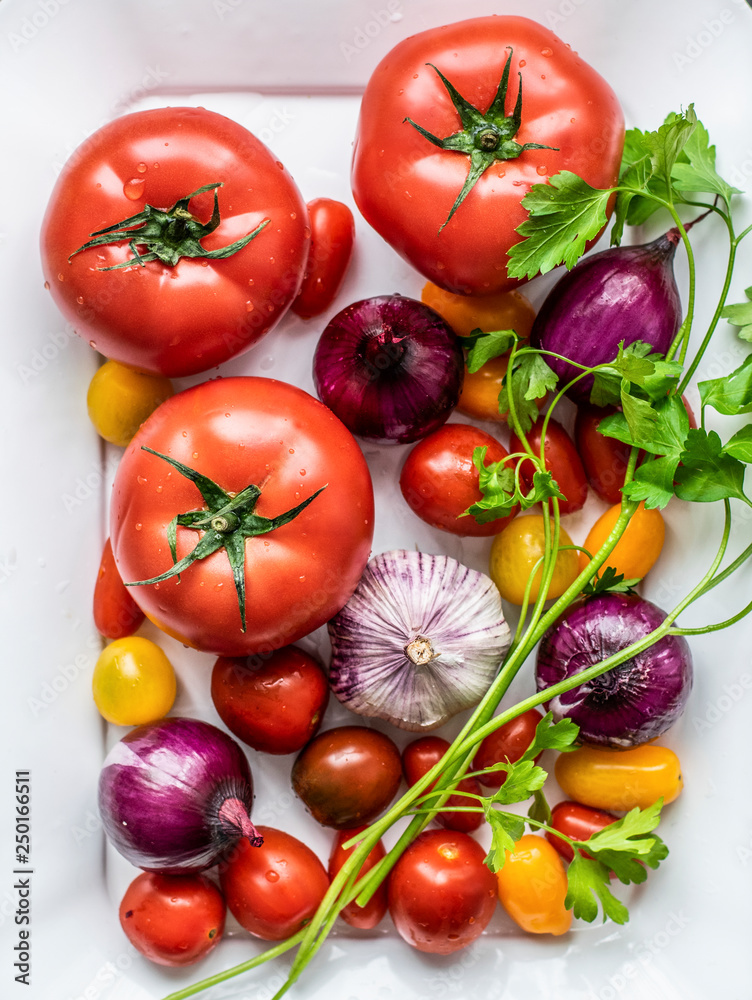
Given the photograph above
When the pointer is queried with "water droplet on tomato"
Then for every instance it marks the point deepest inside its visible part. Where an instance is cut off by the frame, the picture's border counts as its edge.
(307, 233)
(218, 586)
(156, 586)
(80, 299)
(541, 170)
(523, 63)
(228, 414)
(93, 344)
(195, 454)
(141, 168)
(272, 876)
(547, 51)
(155, 165)
(440, 266)
(543, 76)
(185, 434)
(47, 285)
(141, 480)
(138, 526)
(249, 306)
(134, 188)
(415, 76)
(280, 164)
(292, 451)
(99, 185)
(302, 472)
(159, 489)
(60, 276)
(293, 215)
(302, 579)
(250, 281)
(571, 121)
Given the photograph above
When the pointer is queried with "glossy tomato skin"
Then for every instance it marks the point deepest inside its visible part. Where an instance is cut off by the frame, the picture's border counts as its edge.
(273, 703)
(368, 916)
(120, 398)
(273, 890)
(239, 431)
(577, 822)
(620, 779)
(347, 775)
(182, 319)
(561, 460)
(508, 742)
(639, 547)
(517, 550)
(418, 757)
(332, 239)
(405, 186)
(439, 481)
(533, 887)
(116, 614)
(133, 682)
(604, 459)
(173, 920)
(441, 894)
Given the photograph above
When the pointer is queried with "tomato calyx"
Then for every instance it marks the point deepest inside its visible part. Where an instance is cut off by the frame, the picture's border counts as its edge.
(228, 521)
(167, 234)
(485, 138)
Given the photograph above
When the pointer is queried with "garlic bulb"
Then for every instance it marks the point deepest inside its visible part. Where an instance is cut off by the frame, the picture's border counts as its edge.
(421, 639)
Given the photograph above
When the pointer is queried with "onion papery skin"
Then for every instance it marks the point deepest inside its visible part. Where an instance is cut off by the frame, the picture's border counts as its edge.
(390, 368)
(623, 294)
(161, 790)
(405, 596)
(632, 703)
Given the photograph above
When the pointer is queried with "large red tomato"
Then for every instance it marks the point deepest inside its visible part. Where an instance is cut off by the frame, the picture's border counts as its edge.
(406, 185)
(239, 453)
(184, 317)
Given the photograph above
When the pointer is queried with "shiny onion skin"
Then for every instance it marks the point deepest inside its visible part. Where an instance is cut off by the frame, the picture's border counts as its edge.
(634, 702)
(175, 794)
(390, 368)
(623, 294)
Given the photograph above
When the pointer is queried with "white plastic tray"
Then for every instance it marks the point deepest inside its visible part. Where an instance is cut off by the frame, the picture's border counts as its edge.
(292, 73)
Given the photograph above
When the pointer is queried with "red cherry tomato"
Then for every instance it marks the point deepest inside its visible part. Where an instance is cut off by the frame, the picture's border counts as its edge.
(604, 458)
(578, 822)
(406, 186)
(347, 775)
(368, 916)
(332, 238)
(507, 743)
(439, 481)
(274, 703)
(116, 614)
(561, 460)
(441, 894)
(273, 890)
(159, 315)
(173, 919)
(418, 758)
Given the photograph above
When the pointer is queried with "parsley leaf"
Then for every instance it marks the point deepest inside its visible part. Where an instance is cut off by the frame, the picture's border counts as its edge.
(506, 830)
(731, 394)
(589, 883)
(695, 167)
(482, 347)
(610, 581)
(530, 380)
(740, 315)
(740, 445)
(550, 735)
(665, 145)
(502, 492)
(706, 472)
(540, 809)
(653, 481)
(564, 215)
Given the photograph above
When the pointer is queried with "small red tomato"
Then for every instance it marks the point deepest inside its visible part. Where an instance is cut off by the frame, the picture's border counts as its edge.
(273, 890)
(561, 459)
(116, 614)
(441, 894)
(439, 481)
(273, 702)
(418, 758)
(331, 246)
(507, 743)
(363, 917)
(347, 775)
(173, 919)
(578, 822)
(605, 459)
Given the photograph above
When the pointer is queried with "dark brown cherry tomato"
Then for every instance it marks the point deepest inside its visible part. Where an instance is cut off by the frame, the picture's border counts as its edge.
(418, 758)
(604, 458)
(507, 743)
(561, 459)
(439, 481)
(578, 822)
(441, 894)
(273, 890)
(274, 702)
(173, 919)
(116, 614)
(347, 775)
(368, 916)
(331, 246)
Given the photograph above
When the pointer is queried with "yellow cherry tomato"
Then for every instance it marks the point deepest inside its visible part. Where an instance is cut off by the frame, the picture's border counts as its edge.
(533, 887)
(620, 779)
(515, 552)
(638, 548)
(133, 682)
(120, 399)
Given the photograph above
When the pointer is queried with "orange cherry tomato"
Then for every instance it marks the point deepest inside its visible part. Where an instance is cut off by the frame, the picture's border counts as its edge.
(116, 614)
(508, 742)
(533, 887)
(637, 550)
(418, 758)
(620, 779)
(332, 237)
(515, 552)
(561, 459)
(368, 916)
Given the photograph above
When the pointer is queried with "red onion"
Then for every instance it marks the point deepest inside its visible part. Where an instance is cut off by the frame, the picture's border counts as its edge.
(174, 794)
(390, 368)
(626, 293)
(632, 703)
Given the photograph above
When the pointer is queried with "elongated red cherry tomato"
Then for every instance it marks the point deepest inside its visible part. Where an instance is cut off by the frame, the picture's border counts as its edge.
(533, 887)
(604, 458)
(418, 758)
(116, 614)
(368, 916)
(561, 460)
(578, 822)
(508, 742)
(332, 238)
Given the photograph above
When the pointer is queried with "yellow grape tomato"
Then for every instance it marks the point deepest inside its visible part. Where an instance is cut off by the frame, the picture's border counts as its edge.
(121, 398)
(515, 552)
(133, 682)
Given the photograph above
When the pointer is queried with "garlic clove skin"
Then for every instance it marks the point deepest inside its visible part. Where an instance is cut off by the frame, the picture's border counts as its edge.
(420, 640)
